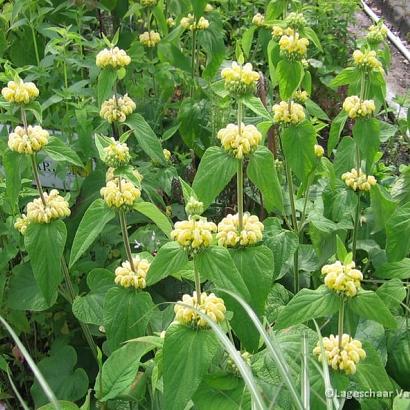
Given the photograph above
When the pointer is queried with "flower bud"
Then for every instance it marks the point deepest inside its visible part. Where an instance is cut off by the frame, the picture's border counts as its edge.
(194, 207)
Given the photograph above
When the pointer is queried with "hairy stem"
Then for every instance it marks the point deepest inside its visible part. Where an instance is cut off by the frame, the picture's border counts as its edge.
(123, 223)
(341, 320)
(193, 57)
(197, 284)
(37, 178)
(33, 33)
(356, 226)
(239, 174)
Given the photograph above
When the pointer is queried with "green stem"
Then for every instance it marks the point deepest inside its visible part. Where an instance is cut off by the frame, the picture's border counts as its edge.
(193, 65)
(33, 33)
(302, 218)
(341, 320)
(356, 226)
(239, 193)
(37, 178)
(197, 284)
(125, 238)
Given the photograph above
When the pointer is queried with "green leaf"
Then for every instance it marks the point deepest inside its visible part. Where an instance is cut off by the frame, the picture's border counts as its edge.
(146, 137)
(348, 75)
(64, 405)
(89, 308)
(45, 245)
(23, 291)
(88, 230)
(198, 7)
(105, 85)
(101, 142)
(214, 172)
(290, 74)
(169, 52)
(341, 251)
(345, 158)
(312, 36)
(392, 293)
(120, 370)
(336, 129)
(66, 382)
(255, 104)
(152, 212)
(390, 270)
(170, 259)
(367, 304)
(182, 375)
(308, 304)
(247, 39)
(262, 172)
(59, 151)
(398, 234)
(315, 111)
(382, 206)
(126, 315)
(366, 134)
(298, 146)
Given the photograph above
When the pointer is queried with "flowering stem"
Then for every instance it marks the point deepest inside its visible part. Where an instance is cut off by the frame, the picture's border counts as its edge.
(341, 319)
(35, 44)
(37, 178)
(197, 284)
(125, 238)
(193, 64)
(356, 226)
(239, 176)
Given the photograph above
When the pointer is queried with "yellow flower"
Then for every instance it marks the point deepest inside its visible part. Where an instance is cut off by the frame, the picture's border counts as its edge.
(258, 20)
(120, 193)
(293, 47)
(295, 20)
(112, 57)
(20, 92)
(367, 60)
(358, 180)
(288, 113)
(127, 277)
(345, 357)
(355, 107)
(22, 224)
(240, 79)
(319, 151)
(194, 233)
(342, 278)
(148, 3)
(189, 23)
(239, 142)
(377, 33)
(278, 32)
(194, 207)
(300, 96)
(150, 38)
(167, 154)
(28, 141)
(55, 207)
(117, 108)
(209, 8)
(210, 305)
(116, 154)
(170, 22)
(229, 235)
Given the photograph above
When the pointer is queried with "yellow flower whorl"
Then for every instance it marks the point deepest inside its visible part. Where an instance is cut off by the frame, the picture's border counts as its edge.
(300, 96)
(377, 33)
(126, 277)
(150, 38)
(210, 305)
(293, 47)
(345, 358)
(117, 109)
(194, 207)
(258, 20)
(22, 224)
(189, 23)
(240, 79)
(149, 3)
(116, 154)
(112, 57)
(295, 20)
(120, 194)
(28, 141)
(56, 207)
(228, 231)
(358, 180)
(20, 92)
(288, 113)
(239, 142)
(367, 60)
(194, 233)
(342, 278)
(355, 107)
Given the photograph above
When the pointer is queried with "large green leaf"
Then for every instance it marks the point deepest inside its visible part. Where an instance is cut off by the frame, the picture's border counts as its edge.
(382, 206)
(290, 74)
(255, 104)
(345, 158)
(152, 212)
(169, 260)
(306, 305)
(398, 234)
(336, 129)
(146, 137)
(89, 308)
(262, 172)
(348, 75)
(126, 315)
(215, 171)
(298, 146)
(392, 293)
(105, 86)
(120, 370)
(88, 230)
(366, 134)
(64, 405)
(169, 52)
(181, 375)
(45, 245)
(367, 304)
(59, 151)
(66, 382)
(390, 270)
